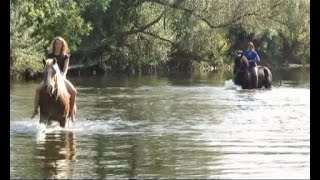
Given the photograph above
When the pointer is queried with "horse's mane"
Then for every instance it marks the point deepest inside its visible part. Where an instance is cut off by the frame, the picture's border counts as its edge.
(245, 60)
(61, 87)
(241, 62)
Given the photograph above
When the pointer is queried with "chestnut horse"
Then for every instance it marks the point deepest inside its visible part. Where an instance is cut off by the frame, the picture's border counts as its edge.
(244, 78)
(54, 98)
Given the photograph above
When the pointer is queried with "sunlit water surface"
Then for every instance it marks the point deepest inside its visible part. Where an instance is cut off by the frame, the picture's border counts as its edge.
(165, 128)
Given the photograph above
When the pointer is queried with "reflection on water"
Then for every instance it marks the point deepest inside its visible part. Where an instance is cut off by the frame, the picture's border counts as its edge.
(292, 77)
(167, 127)
(56, 154)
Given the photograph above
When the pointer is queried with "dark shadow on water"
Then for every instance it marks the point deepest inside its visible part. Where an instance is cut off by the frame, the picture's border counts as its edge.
(291, 77)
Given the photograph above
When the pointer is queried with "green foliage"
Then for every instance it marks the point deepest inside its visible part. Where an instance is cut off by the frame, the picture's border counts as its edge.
(56, 17)
(132, 34)
(25, 52)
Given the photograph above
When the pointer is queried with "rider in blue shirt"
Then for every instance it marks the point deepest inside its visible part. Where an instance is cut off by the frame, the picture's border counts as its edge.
(253, 58)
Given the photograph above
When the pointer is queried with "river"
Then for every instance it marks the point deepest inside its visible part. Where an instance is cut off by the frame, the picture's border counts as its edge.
(178, 126)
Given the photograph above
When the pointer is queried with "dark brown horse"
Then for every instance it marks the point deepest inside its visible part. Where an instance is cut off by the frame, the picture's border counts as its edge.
(54, 98)
(244, 78)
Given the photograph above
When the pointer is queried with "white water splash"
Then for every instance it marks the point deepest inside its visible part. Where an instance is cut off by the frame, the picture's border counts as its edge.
(41, 133)
(41, 128)
(229, 84)
(83, 126)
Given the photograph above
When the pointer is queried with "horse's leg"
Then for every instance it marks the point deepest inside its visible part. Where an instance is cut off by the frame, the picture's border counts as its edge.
(44, 115)
(246, 84)
(261, 77)
(255, 77)
(248, 80)
(260, 82)
(244, 81)
(43, 118)
(63, 122)
(63, 115)
(267, 84)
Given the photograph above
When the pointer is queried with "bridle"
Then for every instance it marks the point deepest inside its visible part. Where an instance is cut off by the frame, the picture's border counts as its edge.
(50, 77)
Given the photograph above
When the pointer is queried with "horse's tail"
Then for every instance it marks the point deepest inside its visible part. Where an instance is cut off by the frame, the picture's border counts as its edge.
(268, 77)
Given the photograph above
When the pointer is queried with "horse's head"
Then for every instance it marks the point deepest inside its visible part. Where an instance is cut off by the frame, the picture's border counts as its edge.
(241, 66)
(51, 70)
(241, 63)
(237, 61)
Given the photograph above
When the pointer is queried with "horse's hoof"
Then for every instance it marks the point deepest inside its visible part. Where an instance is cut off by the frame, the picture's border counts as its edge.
(72, 118)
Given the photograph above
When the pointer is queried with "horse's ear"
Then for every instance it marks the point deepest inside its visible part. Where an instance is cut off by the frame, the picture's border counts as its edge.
(239, 52)
(44, 61)
(54, 61)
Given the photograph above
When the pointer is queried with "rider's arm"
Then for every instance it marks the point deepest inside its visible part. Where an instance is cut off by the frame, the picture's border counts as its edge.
(258, 58)
(65, 67)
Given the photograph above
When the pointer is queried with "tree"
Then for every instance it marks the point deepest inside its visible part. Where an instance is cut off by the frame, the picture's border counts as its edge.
(56, 17)
(145, 34)
(25, 52)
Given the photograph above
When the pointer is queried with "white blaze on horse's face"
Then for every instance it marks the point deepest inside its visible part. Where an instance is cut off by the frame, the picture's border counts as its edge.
(50, 78)
(49, 85)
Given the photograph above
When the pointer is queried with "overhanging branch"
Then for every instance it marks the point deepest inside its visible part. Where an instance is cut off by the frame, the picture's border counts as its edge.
(235, 19)
(141, 29)
(156, 36)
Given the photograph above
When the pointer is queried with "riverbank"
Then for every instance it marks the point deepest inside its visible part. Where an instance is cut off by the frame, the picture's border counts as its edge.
(295, 65)
(99, 68)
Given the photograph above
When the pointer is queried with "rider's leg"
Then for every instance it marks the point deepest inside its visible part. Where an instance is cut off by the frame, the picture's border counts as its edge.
(255, 76)
(36, 100)
(73, 93)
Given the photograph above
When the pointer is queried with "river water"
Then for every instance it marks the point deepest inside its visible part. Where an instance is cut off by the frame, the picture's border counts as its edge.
(179, 126)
